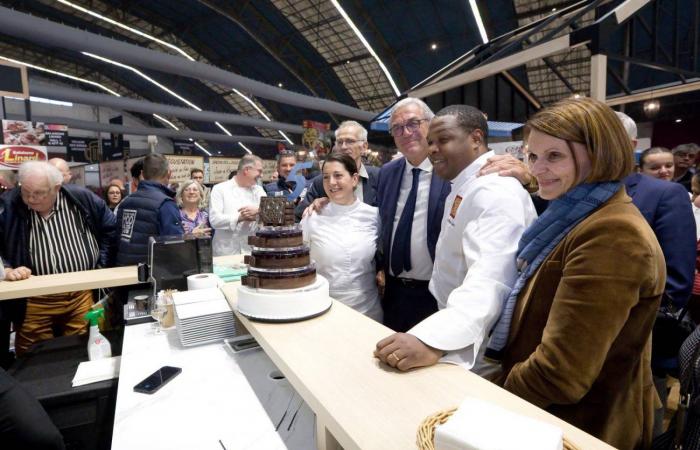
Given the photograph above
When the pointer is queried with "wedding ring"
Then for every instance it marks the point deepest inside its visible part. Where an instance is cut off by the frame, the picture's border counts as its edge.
(395, 357)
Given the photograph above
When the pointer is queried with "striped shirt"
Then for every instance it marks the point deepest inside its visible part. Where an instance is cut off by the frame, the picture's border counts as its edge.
(61, 242)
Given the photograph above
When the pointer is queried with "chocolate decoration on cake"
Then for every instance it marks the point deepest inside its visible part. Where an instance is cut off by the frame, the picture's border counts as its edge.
(276, 211)
(278, 258)
(280, 279)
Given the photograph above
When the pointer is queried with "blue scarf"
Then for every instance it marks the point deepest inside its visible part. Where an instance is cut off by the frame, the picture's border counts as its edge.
(540, 239)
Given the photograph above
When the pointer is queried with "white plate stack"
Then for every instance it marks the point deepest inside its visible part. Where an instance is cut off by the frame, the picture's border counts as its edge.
(203, 316)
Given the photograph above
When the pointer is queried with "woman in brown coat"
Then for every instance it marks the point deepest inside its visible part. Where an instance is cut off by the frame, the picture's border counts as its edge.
(574, 336)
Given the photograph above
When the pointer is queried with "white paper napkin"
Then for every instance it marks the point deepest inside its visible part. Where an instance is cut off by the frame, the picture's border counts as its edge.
(98, 370)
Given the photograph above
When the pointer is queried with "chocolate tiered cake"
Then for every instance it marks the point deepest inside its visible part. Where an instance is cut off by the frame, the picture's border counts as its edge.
(281, 284)
(279, 259)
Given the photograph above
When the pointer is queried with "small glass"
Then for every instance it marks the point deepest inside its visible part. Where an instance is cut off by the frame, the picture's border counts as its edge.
(156, 308)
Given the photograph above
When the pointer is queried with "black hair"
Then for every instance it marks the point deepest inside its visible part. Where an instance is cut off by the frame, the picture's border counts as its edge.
(195, 170)
(346, 160)
(136, 169)
(468, 118)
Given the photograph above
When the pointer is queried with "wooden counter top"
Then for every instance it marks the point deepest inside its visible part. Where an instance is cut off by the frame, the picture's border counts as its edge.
(77, 281)
(363, 403)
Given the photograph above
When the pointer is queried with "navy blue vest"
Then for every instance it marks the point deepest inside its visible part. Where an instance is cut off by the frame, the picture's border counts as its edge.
(138, 220)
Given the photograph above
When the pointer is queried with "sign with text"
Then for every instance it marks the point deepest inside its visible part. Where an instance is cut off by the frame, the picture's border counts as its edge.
(110, 170)
(77, 148)
(18, 132)
(220, 168)
(183, 147)
(269, 167)
(11, 156)
(180, 166)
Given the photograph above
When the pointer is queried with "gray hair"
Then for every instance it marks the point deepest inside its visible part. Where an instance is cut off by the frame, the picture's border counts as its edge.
(53, 176)
(184, 186)
(629, 124)
(689, 148)
(352, 123)
(248, 161)
(155, 166)
(427, 112)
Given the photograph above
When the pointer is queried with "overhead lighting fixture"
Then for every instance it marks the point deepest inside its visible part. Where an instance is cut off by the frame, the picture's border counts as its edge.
(43, 100)
(126, 27)
(165, 121)
(651, 107)
(262, 113)
(479, 21)
(245, 148)
(433, 46)
(199, 146)
(280, 84)
(554, 9)
(61, 74)
(367, 46)
(679, 120)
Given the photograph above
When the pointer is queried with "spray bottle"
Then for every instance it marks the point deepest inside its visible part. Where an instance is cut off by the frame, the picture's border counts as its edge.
(98, 345)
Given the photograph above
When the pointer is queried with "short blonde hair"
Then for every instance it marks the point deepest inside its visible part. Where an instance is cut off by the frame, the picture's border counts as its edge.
(184, 186)
(593, 124)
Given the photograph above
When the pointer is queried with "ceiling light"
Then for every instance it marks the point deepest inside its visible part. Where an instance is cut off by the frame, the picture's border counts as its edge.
(262, 113)
(61, 74)
(165, 121)
(367, 46)
(126, 27)
(433, 46)
(554, 9)
(479, 21)
(279, 85)
(651, 107)
(245, 148)
(199, 146)
(679, 120)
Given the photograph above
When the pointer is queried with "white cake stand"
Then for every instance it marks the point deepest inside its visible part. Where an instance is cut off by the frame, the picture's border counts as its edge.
(285, 305)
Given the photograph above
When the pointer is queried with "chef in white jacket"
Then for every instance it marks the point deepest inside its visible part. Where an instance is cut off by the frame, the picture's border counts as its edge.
(233, 208)
(475, 266)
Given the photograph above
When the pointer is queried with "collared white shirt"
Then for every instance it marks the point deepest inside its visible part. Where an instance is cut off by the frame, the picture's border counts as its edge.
(343, 241)
(359, 190)
(421, 262)
(474, 269)
(231, 236)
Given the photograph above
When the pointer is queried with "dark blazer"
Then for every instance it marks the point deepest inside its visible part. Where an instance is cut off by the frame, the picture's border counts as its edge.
(316, 190)
(667, 208)
(580, 338)
(389, 185)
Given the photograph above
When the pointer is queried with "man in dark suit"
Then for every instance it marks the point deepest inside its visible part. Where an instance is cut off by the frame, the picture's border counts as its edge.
(350, 139)
(411, 200)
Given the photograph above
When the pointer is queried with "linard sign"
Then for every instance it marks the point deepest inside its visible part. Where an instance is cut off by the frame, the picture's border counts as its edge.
(11, 156)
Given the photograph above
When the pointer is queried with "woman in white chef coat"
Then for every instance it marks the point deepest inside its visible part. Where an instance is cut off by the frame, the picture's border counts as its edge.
(343, 238)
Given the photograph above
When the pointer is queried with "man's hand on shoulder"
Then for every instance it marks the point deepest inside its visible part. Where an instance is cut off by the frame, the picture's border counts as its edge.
(316, 206)
(507, 166)
(404, 351)
(18, 273)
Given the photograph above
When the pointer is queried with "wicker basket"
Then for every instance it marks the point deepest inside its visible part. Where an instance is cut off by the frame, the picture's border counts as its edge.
(426, 432)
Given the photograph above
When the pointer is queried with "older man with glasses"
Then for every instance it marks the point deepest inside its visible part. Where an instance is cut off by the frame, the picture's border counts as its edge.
(683, 161)
(350, 139)
(48, 228)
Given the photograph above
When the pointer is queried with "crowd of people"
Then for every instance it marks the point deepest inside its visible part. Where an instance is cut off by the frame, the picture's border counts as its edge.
(444, 245)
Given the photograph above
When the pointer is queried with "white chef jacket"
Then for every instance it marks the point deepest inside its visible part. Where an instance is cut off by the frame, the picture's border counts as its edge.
(343, 241)
(231, 236)
(474, 268)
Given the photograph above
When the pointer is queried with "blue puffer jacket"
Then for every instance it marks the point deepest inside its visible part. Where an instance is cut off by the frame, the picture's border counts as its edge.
(140, 216)
(14, 233)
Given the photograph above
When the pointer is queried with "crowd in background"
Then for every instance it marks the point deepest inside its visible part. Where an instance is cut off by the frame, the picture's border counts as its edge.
(443, 245)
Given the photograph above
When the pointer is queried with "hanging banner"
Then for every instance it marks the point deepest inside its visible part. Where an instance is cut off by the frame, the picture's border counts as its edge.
(11, 156)
(220, 168)
(110, 153)
(180, 166)
(317, 137)
(78, 175)
(18, 132)
(110, 170)
(77, 148)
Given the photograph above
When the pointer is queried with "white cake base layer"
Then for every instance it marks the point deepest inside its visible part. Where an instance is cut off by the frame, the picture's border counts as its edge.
(285, 304)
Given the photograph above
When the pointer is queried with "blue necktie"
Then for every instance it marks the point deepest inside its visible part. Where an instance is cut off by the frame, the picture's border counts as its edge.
(401, 248)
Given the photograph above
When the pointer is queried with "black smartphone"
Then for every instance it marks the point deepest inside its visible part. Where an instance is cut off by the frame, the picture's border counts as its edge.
(157, 379)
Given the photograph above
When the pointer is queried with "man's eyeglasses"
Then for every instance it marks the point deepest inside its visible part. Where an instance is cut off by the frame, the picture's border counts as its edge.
(348, 142)
(36, 195)
(684, 155)
(411, 127)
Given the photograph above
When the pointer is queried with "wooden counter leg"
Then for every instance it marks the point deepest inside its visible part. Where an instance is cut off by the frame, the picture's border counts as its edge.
(324, 438)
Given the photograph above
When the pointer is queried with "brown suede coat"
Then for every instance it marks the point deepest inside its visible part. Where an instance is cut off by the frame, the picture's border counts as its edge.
(580, 339)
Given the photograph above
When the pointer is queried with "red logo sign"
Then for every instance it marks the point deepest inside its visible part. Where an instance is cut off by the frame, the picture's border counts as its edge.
(13, 155)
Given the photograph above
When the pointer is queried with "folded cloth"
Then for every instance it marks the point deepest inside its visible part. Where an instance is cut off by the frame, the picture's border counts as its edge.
(481, 425)
(98, 370)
